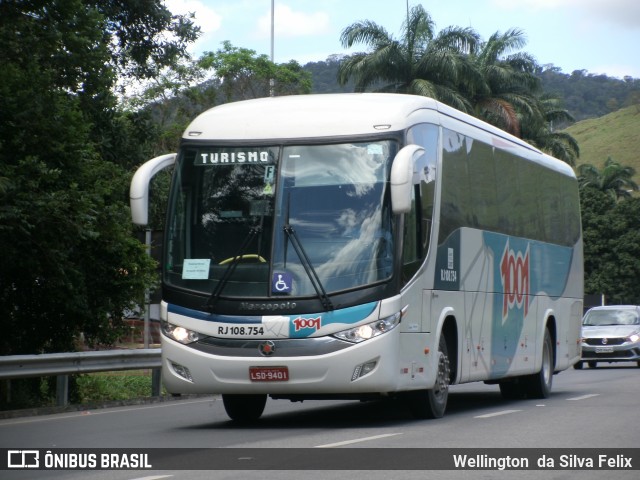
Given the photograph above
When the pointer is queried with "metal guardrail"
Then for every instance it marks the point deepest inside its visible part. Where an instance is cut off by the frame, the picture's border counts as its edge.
(64, 364)
(23, 366)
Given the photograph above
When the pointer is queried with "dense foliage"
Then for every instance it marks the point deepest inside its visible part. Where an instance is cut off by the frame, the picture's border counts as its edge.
(243, 74)
(611, 246)
(70, 263)
(588, 95)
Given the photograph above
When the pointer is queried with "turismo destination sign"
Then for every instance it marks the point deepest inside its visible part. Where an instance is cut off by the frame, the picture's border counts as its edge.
(233, 157)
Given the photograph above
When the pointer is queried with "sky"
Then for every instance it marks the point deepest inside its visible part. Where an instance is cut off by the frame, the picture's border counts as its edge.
(600, 36)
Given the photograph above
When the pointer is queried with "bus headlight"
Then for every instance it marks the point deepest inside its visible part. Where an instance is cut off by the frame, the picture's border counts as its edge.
(370, 330)
(179, 334)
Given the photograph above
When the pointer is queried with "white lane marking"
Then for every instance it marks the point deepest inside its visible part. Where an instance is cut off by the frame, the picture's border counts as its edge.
(105, 411)
(583, 397)
(357, 440)
(155, 477)
(497, 414)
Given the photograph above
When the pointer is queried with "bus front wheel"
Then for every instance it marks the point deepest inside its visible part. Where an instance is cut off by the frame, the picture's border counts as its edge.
(432, 403)
(244, 408)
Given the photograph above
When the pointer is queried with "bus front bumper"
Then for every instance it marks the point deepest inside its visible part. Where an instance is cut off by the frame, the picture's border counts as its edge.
(373, 366)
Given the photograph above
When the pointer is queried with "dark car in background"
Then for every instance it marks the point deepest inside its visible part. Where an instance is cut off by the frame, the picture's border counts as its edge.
(610, 334)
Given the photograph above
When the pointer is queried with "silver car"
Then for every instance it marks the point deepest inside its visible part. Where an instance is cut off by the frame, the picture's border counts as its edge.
(611, 334)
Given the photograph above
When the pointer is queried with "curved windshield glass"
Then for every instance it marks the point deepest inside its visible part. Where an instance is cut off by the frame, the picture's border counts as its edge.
(280, 221)
(333, 198)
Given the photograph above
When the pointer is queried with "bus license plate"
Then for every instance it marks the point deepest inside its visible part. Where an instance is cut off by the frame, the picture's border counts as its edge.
(269, 374)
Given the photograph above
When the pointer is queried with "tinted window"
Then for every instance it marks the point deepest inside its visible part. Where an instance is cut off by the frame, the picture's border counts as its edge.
(491, 189)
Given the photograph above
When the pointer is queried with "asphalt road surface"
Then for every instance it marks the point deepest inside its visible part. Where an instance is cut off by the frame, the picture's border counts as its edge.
(594, 409)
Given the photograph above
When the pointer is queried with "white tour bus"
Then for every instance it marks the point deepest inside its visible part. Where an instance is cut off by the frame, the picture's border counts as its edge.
(358, 246)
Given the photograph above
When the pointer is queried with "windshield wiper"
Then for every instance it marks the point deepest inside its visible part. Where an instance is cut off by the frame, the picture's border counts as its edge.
(308, 267)
(215, 295)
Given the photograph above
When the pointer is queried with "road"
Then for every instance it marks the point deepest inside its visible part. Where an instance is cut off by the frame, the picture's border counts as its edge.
(590, 408)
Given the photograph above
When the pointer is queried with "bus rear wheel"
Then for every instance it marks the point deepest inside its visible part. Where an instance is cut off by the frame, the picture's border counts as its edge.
(244, 408)
(539, 384)
(432, 403)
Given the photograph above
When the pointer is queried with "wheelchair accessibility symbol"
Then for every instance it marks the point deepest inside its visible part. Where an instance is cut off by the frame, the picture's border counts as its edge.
(281, 283)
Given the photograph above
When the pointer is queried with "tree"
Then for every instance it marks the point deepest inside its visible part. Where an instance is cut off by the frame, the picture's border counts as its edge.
(70, 263)
(143, 37)
(172, 99)
(509, 96)
(596, 207)
(507, 82)
(324, 76)
(244, 75)
(621, 268)
(537, 129)
(611, 232)
(614, 179)
(421, 62)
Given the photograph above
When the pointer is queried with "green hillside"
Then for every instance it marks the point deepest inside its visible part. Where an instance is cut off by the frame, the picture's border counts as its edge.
(616, 135)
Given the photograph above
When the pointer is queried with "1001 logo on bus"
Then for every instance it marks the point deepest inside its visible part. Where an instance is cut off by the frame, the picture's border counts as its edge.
(302, 323)
(514, 272)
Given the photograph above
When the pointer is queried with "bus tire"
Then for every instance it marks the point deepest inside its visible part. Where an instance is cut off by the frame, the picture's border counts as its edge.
(244, 408)
(513, 389)
(432, 403)
(539, 384)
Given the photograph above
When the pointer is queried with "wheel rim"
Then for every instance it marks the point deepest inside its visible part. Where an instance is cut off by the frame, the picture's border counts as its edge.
(546, 363)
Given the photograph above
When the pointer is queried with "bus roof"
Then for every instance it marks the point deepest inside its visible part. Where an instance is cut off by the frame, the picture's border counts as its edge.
(305, 116)
(335, 115)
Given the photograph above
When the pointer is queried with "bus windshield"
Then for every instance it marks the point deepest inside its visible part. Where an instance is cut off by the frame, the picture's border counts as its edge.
(271, 221)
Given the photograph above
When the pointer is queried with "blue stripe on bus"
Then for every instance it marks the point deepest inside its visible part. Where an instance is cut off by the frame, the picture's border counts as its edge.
(350, 315)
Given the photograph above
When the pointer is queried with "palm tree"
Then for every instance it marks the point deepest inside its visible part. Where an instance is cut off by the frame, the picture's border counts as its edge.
(508, 96)
(614, 179)
(420, 63)
(505, 92)
(537, 129)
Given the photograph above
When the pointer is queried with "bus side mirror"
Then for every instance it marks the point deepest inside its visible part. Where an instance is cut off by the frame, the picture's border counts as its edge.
(139, 188)
(402, 178)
